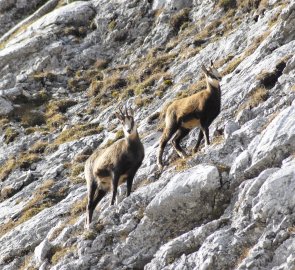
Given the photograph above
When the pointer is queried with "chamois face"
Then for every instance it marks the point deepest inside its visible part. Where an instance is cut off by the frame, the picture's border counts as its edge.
(127, 121)
(128, 125)
(212, 75)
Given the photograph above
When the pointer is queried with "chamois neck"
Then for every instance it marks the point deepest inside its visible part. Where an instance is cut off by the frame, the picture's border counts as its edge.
(133, 137)
(213, 86)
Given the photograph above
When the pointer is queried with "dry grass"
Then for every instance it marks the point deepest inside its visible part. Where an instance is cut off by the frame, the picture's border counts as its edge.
(27, 159)
(78, 208)
(232, 65)
(77, 132)
(32, 119)
(179, 19)
(243, 255)
(7, 192)
(58, 252)
(7, 168)
(27, 263)
(217, 139)
(10, 135)
(227, 4)
(180, 164)
(193, 88)
(256, 97)
(24, 161)
(38, 147)
(42, 198)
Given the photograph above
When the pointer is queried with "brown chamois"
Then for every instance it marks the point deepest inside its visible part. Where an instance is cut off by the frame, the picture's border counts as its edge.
(198, 110)
(107, 168)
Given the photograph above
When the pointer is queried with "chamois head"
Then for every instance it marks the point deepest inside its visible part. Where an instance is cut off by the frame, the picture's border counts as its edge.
(127, 120)
(212, 74)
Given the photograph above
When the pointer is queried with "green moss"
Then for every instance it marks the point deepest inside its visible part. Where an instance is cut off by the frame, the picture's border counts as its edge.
(168, 82)
(112, 24)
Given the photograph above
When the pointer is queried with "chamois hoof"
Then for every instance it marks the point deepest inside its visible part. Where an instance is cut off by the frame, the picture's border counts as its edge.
(195, 151)
(160, 167)
(184, 155)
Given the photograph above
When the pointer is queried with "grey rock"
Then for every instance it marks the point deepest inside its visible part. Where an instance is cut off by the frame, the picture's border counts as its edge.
(42, 251)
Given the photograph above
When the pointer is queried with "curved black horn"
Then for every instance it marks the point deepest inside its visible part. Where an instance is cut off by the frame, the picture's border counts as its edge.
(120, 110)
(126, 110)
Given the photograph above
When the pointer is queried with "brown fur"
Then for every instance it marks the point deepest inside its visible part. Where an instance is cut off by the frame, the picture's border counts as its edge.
(108, 168)
(198, 110)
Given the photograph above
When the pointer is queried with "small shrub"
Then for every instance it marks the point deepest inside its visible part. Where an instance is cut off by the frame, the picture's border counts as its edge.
(32, 119)
(259, 95)
(178, 19)
(45, 76)
(95, 87)
(76, 31)
(7, 192)
(227, 4)
(232, 65)
(26, 160)
(6, 168)
(60, 106)
(142, 101)
(101, 64)
(268, 79)
(58, 252)
(76, 169)
(10, 135)
(56, 120)
(38, 147)
(78, 207)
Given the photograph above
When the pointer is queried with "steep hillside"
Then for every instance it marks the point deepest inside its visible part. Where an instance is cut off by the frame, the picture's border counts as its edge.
(65, 69)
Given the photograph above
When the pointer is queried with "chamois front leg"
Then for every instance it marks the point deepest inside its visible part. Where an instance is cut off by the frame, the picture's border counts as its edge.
(89, 208)
(115, 181)
(166, 136)
(130, 182)
(179, 135)
(201, 135)
(206, 131)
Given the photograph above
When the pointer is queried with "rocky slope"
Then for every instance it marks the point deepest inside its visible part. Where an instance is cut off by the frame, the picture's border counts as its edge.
(64, 71)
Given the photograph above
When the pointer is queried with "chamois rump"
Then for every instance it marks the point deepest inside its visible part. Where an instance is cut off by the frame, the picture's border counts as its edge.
(198, 110)
(107, 168)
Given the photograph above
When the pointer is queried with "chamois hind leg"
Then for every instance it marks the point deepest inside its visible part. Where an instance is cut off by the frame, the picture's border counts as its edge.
(95, 194)
(167, 134)
(179, 135)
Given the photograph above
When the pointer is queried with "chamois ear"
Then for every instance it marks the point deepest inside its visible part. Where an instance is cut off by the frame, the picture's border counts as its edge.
(119, 116)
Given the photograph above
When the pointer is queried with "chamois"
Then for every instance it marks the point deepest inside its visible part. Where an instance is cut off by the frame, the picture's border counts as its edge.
(107, 168)
(198, 110)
